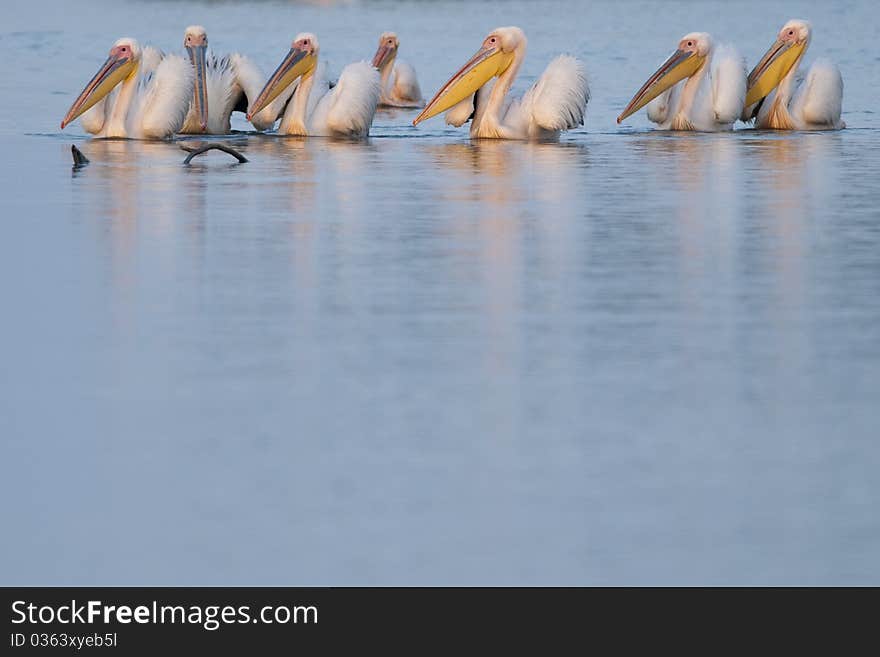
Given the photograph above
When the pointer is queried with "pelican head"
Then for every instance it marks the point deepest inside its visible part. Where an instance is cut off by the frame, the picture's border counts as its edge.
(387, 51)
(689, 57)
(494, 57)
(121, 64)
(779, 60)
(195, 40)
(301, 60)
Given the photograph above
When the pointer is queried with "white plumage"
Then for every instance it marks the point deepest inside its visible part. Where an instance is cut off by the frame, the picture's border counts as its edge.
(346, 110)
(818, 101)
(161, 110)
(711, 99)
(231, 83)
(314, 107)
(93, 120)
(400, 85)
(556, 102)
(151, 103)
(811, 101)
(400, 88)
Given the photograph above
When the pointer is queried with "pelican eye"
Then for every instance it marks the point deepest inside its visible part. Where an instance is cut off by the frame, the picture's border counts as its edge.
(690, 44)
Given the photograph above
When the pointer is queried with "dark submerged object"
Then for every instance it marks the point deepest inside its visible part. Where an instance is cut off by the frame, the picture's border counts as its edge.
(204, 148)
(79, 160)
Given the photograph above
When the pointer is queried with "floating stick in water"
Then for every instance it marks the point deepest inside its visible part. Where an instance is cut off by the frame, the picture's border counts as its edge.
(198, 150)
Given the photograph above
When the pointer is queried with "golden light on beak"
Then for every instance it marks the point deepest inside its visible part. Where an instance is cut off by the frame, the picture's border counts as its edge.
(682, 64)
(298, 62)
(482, 67)
(773, 67)
(119, 66)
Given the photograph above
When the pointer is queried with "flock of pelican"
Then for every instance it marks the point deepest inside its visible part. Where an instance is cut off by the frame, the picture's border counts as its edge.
(141, 93)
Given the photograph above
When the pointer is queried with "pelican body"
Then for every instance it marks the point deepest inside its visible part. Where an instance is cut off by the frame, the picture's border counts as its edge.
(138, 93)
(222, 85)
(780, 97)
(479, 92)
(313, 108)
(400, 87)
(700, 87)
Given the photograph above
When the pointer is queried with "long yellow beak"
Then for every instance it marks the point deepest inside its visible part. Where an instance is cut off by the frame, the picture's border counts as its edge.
(482, 67)
(680, 65)
(774, 65)
(115, 70)
(297, 62)
(197, 55)
(383, 55)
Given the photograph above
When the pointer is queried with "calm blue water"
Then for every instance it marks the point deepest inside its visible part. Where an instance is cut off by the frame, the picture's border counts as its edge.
(628, 358)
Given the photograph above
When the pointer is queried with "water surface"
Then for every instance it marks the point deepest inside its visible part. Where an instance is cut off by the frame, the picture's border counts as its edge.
(627, 358)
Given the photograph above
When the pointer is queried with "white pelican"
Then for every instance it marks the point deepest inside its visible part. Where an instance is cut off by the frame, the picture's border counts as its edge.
(400, 88)
(151, 94)
(782, 98)
(556, 102)
(222, 85)
(316, 109)
(711, 98)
